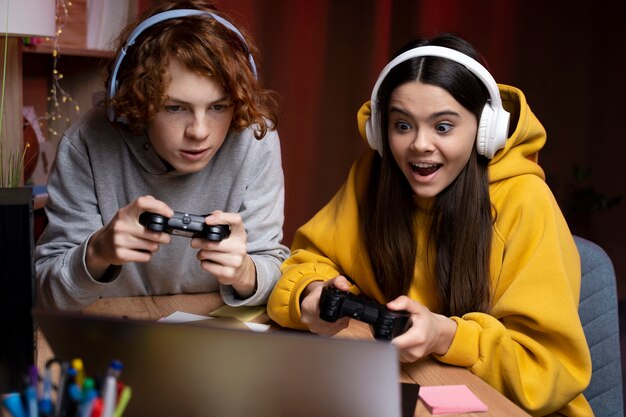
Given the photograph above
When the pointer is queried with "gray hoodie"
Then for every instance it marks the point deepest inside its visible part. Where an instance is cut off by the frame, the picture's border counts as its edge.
(100, 169)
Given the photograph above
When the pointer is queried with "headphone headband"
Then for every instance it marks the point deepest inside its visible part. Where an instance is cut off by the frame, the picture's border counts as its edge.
(493, 126)
(157, 18)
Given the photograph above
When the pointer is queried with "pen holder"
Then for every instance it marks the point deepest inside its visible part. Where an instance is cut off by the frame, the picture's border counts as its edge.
(68, 392)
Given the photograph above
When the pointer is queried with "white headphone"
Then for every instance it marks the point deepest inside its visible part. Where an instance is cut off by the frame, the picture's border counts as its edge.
(493, 125)
(153, 20)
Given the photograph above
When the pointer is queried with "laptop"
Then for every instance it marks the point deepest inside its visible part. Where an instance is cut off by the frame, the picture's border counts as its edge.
(187, 369)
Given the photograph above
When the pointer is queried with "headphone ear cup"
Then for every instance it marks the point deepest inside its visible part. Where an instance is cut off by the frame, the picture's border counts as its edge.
(502, 120)
(371, 132)
(110, 109)
(482, 136)
(493, 128)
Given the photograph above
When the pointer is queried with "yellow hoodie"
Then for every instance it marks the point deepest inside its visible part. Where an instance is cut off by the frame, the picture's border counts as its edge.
(531, 347)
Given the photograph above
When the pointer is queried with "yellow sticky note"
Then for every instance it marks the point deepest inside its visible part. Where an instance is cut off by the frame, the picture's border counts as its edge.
(243, 313)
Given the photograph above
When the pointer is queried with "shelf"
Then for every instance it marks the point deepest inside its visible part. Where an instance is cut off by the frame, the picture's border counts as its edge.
(68, 51)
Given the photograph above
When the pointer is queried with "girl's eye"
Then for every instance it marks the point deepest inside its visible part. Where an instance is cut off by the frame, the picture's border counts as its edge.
(402, 126)
(443, 127)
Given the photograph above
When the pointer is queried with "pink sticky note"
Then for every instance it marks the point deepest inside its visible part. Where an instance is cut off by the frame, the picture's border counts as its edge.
(449, 399)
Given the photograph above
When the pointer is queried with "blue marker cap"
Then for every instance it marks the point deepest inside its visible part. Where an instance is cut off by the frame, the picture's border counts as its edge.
(13, 403)
(45, 406)
(115, 367)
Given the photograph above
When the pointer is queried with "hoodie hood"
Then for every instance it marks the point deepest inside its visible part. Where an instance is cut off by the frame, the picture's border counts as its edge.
(527, 136)
(520, 153)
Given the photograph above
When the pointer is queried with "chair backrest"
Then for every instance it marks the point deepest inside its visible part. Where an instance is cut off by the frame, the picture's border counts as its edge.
(599, 315)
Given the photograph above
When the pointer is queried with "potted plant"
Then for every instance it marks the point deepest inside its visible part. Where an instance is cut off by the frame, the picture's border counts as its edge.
(11, 165)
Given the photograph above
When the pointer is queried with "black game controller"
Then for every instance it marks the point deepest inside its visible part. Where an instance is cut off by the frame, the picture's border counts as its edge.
(184, 224)
(387, 324)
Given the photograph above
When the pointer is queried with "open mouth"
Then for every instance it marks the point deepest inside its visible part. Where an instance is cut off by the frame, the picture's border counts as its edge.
(194, 153)
(424, 169)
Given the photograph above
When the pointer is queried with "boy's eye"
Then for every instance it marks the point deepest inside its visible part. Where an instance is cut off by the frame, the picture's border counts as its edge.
(219, 107)
(174, 108)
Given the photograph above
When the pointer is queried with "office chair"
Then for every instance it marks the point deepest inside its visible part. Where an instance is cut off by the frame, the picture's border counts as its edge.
(598, 311)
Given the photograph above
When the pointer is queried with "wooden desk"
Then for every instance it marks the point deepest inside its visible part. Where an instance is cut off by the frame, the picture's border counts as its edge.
(429, 372)
(424, 372)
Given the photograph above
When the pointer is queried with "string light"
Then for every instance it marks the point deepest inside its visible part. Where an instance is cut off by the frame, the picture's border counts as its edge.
(57, 93)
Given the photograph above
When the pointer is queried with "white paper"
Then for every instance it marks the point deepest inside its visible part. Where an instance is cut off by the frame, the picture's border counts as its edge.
(182, 317)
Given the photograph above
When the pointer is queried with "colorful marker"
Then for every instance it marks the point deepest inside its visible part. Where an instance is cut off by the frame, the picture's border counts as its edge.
(80, 371)
(89, 394)
(109, 394)
(31, 401)
(13, 403)
(45, 403)
(125, 396)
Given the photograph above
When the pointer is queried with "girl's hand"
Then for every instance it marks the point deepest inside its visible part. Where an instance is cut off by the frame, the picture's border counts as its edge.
(429, 332)
(124, 239)
(228, 260)
(310, 307)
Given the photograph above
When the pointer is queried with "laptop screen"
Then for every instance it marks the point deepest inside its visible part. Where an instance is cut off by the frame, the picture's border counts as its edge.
(199, 370)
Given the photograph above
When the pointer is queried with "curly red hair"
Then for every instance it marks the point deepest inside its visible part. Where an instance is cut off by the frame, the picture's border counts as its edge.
(204, 46)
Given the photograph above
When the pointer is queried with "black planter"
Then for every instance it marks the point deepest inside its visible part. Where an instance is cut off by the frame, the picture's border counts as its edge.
(17, 275)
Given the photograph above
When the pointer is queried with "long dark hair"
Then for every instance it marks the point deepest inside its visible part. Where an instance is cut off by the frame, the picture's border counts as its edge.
(461, 227)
